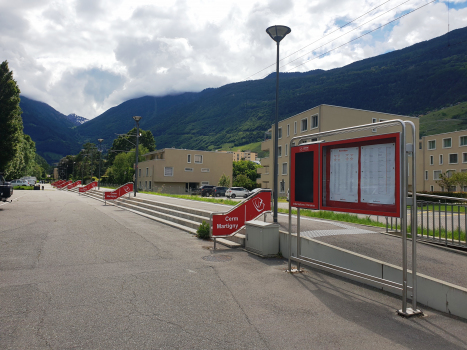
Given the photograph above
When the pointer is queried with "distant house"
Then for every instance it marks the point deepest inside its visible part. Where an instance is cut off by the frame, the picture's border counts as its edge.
(247, 155)
(172, 170)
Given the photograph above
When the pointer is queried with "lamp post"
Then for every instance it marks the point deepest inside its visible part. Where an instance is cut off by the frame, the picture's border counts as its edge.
(277, 33)
(137, 119)
(100, 154)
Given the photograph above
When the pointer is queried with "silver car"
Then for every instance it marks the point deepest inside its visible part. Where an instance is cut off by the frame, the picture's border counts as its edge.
(19, 182)
(233, 192)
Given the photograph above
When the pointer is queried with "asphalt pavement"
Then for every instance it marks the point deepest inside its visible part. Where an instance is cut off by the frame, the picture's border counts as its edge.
(75, 274)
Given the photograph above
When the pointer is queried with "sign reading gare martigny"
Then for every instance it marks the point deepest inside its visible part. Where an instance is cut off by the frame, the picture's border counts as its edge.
(226, 224)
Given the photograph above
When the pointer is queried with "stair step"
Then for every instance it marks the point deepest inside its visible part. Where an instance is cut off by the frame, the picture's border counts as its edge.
(228, 243)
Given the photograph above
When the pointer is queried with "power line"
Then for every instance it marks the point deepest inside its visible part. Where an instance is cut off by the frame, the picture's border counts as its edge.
(322, 37)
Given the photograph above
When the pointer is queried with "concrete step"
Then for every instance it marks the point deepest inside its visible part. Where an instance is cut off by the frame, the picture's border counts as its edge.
(228, 243)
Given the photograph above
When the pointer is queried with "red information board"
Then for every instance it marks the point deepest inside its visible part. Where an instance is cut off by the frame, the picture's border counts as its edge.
(112, 195)
(73, 185)
(226, 224)
(304, 176)
(87, 187)
(361, 175)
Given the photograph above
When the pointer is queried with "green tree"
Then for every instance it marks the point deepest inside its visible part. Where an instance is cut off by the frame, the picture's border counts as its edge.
(122, 169)
(11, 124)
(245, 174)
(24, 161)
(128, 142)
(460, 179)
(224, 181)
(446, 181)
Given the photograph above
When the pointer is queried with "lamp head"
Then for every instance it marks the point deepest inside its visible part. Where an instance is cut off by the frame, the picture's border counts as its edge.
(277, 33)
(100, 140)
(137, 118)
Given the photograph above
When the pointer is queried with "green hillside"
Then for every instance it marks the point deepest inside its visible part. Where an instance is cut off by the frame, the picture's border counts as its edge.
(446, 119)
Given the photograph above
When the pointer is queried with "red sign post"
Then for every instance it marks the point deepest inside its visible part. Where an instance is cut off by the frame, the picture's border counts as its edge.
(113, 195)
(227, 224)
(64, 184)
(73, 185)
(87, 187)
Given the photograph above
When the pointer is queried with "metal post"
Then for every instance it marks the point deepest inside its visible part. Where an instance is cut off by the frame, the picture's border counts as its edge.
(403, 189)
(136, 167)
(299, 246)
(414, 222)
(100, 154)
(276, 138)
(289, 236)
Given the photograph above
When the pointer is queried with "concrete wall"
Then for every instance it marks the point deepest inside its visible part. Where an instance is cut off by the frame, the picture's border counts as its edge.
(434, 293)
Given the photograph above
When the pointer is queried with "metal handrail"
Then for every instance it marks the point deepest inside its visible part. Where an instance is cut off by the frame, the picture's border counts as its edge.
(241, 202)
(440, 197)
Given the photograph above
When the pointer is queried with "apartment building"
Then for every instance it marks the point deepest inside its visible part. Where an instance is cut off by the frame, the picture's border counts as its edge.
(442, 153)
(172, 170)
(247, 155)
(318, 119)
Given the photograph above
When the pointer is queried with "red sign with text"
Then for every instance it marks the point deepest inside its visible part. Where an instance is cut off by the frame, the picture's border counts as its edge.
(88, 187)
(73, 185)
(109, 196)
(64, 184)
(224, 225)
(56, 183)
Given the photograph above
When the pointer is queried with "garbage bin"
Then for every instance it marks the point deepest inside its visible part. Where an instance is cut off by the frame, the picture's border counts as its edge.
(37, 187)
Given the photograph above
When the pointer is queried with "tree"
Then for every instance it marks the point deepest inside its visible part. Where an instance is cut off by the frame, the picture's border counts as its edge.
(122, 169)
(224, 181)
(11, 124)
(245, 174)
(460, 179)
(128, 142)
(445, 181)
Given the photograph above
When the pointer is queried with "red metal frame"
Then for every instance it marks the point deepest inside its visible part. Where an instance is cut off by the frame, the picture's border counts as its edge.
(316, 162)
(360, 207)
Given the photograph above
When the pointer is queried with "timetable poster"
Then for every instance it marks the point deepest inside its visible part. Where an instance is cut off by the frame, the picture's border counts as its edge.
(378, 178)
(343, 179)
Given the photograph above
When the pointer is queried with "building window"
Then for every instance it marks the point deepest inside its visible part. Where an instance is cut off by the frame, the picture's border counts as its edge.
(436, 174)
(294, 127)
(420, 145)
(464, 157)
(453, 158)
(452, 189)
(139, 172)
(147, 171)
(426, 174)
(374, 120)
(431, 160)
(288, 130)
(145, 184)
(314, 121)
(188, 169)
(463, 141)
(282, 186)
(266, 170)
(205, 170)
(279, 134)
(440, 159)
(168, 171)
(204, 182)
(286, 146)
(279, 151)
(304, 125)
(432, 188)
(447, 143)
(432, 144)
(284, 168)
(188, 160)
(150, 185)
(198, 159)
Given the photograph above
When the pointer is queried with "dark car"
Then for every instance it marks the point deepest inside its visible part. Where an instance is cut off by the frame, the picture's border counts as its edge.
(6, 189)
(206, 190)
(219, 191)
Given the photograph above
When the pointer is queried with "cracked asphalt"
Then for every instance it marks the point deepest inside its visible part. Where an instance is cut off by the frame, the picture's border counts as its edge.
(75, 274)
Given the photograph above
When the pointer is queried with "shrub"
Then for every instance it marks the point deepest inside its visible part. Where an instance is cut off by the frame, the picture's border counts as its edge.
(203, 230)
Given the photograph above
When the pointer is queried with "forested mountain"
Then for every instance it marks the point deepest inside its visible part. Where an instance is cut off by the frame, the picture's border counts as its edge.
(412, 81)
(52, 132)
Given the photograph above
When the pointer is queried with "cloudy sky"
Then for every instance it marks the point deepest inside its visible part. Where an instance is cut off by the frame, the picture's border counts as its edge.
(85, 56)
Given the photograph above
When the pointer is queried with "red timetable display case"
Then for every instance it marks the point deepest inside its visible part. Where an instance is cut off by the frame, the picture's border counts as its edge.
(361, 175)
(304, 176)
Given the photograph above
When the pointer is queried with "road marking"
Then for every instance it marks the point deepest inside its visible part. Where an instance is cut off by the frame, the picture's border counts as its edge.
(14, 199)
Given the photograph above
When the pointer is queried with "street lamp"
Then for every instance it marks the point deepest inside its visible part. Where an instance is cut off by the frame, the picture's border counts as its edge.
(100, 153)
(137, 119)
(277, 33)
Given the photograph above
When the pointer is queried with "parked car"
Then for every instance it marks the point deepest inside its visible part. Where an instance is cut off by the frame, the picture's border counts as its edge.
(220, 191)
(206, 190)
(254, 191)
(6, 189)
(19, 182)
(233, 192)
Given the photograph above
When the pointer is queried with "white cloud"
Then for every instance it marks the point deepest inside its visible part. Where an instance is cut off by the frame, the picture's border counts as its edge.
(85, 56)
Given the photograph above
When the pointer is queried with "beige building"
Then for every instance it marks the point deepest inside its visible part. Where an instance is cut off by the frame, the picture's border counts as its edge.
(442, 153)
(247, 155)
(173, 170)
(319, 119)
